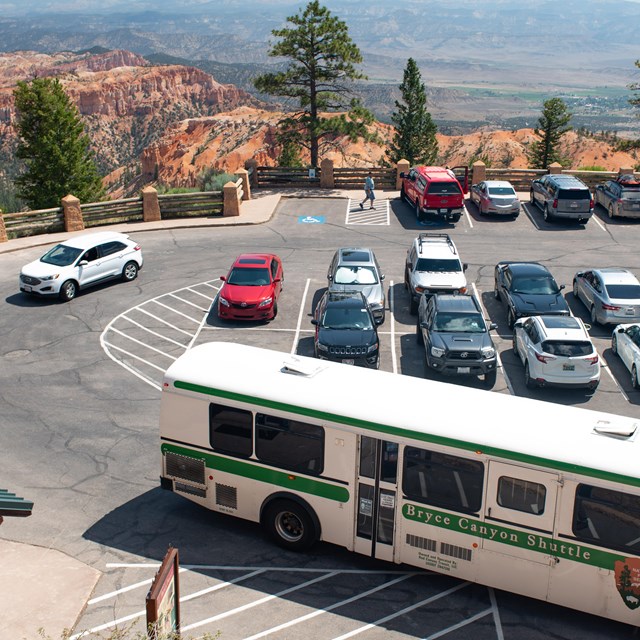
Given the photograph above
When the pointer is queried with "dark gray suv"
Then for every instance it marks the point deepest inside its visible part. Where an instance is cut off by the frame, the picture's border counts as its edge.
(456, 336)
(562, 196)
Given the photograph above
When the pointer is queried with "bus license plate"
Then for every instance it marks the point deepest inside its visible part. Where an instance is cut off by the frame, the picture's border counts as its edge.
(349, 361)
(464, 369)
(568, 367)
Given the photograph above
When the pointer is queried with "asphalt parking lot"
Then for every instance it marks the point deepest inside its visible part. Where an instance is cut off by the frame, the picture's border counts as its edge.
(80, 389)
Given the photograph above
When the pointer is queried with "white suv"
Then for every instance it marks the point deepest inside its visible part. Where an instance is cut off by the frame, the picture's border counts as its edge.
(433, 266)
(556, 351)
(82, 262)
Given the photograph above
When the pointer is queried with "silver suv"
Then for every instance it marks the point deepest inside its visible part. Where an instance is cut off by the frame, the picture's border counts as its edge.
(433, 266)
(562, 196)
(357, 269)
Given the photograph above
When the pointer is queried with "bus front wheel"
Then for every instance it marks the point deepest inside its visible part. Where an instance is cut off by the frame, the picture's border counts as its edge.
(290, 525)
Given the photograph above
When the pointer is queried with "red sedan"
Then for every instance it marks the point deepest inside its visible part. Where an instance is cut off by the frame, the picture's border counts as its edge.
(251, 289)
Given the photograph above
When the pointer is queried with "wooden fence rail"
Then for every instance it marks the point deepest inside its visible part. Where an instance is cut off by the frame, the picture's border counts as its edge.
(191, 205)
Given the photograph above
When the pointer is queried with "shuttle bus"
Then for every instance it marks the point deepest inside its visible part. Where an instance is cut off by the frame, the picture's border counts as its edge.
(527, 496)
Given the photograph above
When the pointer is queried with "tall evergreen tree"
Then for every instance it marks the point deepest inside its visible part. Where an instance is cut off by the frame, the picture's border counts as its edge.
(552, 125)
(415, 136)
(53, 146)
(323, 61)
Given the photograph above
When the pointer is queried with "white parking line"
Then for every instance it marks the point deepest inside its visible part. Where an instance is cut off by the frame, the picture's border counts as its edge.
(159, 319)
(159, 335)
(184, 315)
(173, 295)
(135, 357)
(466, 213)
(392, 332)
(595, 219)
(464, 623)
(298, 330)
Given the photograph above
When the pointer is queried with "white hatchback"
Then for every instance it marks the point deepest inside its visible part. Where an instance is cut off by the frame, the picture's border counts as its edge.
(556, 351)
(80, 262)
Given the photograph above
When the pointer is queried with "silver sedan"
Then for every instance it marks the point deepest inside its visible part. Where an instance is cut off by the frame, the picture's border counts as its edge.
(495, 197)
(612, 295)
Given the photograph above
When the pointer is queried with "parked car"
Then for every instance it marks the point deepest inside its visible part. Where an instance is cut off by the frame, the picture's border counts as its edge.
(620, 197)
(612, 294)
(528, 289)
(252, 287)
(456, 336)
(81, 262)
(556, 352)
(562, 196)
(346, 330)
(495, 197)
(433, 266)
(625, 341)
(435, 191)
(357, 269)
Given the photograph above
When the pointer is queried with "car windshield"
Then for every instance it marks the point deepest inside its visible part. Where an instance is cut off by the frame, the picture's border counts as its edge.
(567, 349)
(444, 188)
(541, 285)
(346, 318)
(623, 291)
(439, 265)
(502, 191)
(61, 255)
(459, 323)
(249, 277)
(355, 275)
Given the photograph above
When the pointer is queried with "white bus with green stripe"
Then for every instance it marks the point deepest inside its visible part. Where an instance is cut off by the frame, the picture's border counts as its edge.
(526, 496)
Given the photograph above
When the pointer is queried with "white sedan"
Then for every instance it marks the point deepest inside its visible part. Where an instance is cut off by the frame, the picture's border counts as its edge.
(625, 341)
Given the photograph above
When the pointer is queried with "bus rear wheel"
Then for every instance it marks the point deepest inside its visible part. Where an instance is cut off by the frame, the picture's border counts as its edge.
(290, 525)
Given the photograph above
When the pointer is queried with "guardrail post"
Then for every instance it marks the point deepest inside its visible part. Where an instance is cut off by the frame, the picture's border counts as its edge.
(243, 174)
(252, 168)
(555, 167)
(231, 201)
(3, 229)
(327, 180)
(401, 167)
(73, 220)
(628, 171)
(150, 205)
(478, 172)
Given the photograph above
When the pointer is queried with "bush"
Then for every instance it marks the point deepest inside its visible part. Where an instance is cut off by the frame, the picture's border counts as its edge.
(212, 180)
(592, 167)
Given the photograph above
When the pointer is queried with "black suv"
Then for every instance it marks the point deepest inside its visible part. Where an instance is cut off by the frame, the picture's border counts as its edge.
(346, 330)
(456, 336)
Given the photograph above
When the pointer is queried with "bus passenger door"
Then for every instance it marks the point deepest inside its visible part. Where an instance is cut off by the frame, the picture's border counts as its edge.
(518, 528)
(376, 504)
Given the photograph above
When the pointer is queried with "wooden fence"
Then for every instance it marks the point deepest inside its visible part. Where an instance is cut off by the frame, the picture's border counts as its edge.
(384, 177)
(191, 205)
(286, 177)
(33, 223)
(96, 214)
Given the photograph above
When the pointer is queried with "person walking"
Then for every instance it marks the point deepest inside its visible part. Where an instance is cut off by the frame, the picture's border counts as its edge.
(369, 194)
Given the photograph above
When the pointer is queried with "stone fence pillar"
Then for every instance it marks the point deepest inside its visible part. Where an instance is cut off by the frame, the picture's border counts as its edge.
(243, 174)
(327, 180)
(555, 167)
(478, 172)
(401, 167)
(3, 229)
(231, 200)
(150, 205)
(73, 220)
(252, 168)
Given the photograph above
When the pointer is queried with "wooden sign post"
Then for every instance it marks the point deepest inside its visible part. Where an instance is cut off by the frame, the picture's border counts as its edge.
(163, 600)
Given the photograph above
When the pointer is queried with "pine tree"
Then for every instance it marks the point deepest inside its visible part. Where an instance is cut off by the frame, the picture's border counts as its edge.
(319, 77)
(53, 146)
(415, 136)
(289, 156)
(552, 125)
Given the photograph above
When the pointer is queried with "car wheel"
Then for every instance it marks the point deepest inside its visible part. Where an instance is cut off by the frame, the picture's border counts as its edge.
(130, 271)
(275, 310)
(532, 200)
(511, 318)
(403, 195)
(290, 525)
(377, 363)
(68, 290)
(546, 214)
(496, 292)
(419, 336)
(490, 378)
(480, 210)
(528, 380)
(610, 212)
(406, 278)
(614, 343)
(418, 212)
(594, 315)
(514, 344)
(575, 288)
(634, 377)
(413, 306)
(456, 218)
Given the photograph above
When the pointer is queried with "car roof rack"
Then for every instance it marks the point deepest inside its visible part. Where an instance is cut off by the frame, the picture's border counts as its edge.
(628, 180)
(426, 237)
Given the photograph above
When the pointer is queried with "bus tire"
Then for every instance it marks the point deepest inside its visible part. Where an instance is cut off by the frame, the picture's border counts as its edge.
(290, 525)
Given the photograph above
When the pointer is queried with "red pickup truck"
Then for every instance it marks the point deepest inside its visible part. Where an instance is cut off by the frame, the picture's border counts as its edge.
(437, 192)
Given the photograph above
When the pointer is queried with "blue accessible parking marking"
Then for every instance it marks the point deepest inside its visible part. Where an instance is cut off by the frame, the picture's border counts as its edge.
(311, 219)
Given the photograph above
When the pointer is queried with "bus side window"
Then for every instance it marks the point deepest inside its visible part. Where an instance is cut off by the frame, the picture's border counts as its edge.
(607, 518)
(231, 430)
(521, 495)
(442, 480)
